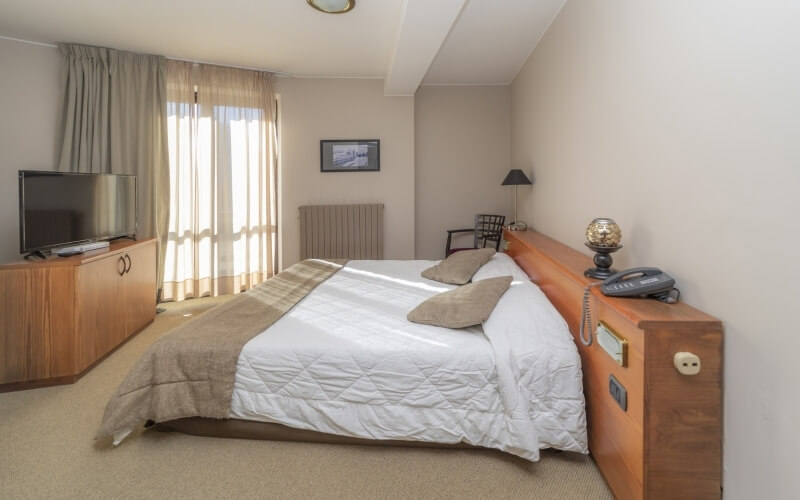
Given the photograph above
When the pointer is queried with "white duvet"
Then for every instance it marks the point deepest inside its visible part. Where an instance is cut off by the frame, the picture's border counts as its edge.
(345, 360)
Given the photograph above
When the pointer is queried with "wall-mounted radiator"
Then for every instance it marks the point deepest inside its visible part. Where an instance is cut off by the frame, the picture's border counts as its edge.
(341, 231)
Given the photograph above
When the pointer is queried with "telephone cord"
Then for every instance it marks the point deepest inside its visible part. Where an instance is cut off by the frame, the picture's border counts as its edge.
(586, 317)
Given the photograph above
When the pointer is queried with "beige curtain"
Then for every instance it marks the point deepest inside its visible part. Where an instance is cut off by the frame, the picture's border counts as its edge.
(222, 157)
(114, 121)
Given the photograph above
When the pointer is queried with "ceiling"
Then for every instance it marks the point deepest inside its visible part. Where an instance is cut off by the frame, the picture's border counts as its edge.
(405, 42)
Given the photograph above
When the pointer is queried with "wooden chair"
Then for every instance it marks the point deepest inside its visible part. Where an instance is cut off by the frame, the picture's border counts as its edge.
(488, 229)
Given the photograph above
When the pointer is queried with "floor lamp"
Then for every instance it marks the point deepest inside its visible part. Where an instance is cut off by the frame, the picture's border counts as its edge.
(516, 177)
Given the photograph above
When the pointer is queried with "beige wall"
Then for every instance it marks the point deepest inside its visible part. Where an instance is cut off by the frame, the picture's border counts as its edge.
(315, 109)
(29, 109)
(681, 121)
(462, 137)
(311, 109)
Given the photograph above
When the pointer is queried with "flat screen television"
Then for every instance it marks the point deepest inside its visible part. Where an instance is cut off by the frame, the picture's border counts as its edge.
(59, 209)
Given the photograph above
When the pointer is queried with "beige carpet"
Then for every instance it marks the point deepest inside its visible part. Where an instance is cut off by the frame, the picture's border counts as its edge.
(46, 451)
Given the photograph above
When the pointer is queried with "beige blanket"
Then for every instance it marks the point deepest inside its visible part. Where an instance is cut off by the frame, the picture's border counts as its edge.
(190, 372)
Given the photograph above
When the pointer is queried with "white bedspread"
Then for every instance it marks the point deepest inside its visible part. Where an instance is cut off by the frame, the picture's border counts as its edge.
(345, 360)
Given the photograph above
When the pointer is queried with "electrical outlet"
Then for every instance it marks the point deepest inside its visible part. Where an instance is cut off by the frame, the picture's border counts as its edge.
(686, 363)
(618, 392)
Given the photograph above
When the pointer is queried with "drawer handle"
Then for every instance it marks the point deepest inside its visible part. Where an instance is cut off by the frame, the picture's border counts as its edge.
(128, 268)
(121, 260)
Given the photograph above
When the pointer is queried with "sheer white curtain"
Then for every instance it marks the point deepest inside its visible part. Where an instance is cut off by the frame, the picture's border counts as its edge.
(222, 159)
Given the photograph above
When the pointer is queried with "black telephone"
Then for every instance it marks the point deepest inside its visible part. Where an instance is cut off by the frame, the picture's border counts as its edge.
(634, 282)
(641, 282)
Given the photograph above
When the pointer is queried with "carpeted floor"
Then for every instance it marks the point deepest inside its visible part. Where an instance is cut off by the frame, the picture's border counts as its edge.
(46, 451)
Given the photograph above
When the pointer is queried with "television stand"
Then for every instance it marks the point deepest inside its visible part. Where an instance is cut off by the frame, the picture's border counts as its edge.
(37, 254)
(122, 237)
(60, 317)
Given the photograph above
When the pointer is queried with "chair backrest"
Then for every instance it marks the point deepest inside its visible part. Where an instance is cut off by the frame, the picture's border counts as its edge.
(488, 228)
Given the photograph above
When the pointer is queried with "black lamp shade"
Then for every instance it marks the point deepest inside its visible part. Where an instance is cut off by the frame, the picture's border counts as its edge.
(516, 177)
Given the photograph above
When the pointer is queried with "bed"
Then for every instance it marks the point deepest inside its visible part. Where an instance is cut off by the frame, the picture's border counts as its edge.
(665, 443)
(344, 360)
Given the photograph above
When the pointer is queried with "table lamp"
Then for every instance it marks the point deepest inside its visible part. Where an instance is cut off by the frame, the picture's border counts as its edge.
(516, 177)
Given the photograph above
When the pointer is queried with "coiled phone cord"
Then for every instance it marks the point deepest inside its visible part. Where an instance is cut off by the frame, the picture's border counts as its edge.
(586, 317)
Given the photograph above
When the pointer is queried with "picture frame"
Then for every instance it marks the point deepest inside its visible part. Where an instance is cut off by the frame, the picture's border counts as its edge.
(351, 155)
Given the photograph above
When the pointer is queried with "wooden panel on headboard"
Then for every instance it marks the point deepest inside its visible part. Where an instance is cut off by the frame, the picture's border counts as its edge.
(667, 444)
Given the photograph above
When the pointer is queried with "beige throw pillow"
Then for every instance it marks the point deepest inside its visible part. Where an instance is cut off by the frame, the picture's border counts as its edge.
(459, 267)
(461, 307)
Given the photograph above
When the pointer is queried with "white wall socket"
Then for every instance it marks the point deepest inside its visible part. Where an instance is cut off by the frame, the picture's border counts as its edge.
(687, 363)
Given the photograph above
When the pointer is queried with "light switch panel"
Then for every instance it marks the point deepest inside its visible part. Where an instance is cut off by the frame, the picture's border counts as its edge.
(614, 344)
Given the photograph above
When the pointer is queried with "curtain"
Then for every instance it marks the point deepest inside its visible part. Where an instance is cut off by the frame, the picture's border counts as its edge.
(114, 121)
(222, 169)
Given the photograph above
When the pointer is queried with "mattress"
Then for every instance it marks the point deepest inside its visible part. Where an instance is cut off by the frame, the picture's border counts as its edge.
(345, 360)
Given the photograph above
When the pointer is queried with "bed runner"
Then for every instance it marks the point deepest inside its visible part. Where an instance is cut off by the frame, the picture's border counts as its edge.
(190, 372)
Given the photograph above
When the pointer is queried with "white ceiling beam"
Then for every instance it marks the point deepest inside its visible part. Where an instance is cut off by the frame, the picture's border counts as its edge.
(424, 29)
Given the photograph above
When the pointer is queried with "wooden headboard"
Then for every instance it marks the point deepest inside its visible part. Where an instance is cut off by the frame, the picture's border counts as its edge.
(667, 443)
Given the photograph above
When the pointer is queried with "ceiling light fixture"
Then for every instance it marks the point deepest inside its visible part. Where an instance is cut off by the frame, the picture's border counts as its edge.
(333, 6)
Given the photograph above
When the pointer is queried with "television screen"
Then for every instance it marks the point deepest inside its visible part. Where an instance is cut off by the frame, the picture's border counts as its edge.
(59, 209)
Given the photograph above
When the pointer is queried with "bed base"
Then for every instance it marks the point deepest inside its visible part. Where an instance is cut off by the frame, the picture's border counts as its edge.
(247, 429)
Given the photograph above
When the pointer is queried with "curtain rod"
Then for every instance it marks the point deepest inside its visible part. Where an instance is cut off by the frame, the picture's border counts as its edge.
(196, 62)
(276, 73)
(42, 44)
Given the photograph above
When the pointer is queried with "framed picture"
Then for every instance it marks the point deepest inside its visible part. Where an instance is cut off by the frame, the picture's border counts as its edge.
(350, 155)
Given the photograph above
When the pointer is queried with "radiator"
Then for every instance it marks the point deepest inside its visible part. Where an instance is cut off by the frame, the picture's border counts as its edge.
(341, 231)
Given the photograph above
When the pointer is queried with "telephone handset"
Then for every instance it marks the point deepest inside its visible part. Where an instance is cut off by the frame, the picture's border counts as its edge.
(635, 282)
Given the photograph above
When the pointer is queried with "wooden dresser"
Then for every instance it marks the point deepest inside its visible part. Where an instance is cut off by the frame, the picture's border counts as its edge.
(61, 316)
(667, 442)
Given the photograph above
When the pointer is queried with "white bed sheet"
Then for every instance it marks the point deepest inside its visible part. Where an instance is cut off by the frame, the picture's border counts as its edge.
(345, 360)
